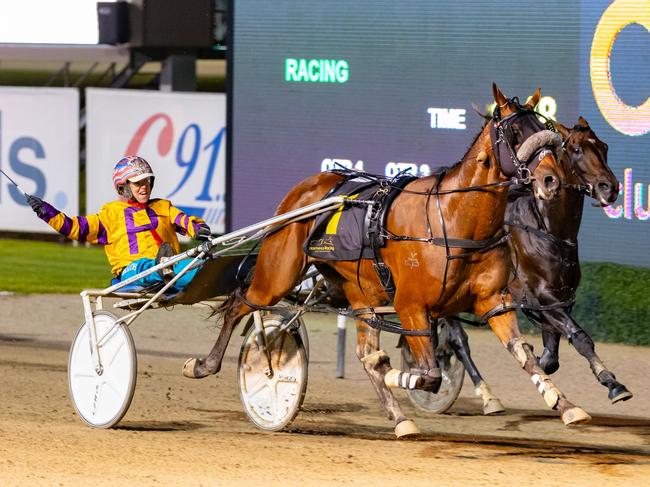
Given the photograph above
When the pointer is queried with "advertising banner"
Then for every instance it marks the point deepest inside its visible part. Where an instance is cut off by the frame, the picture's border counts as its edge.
(182, 136)
(614, 98)
(394, 86)
(39, 150)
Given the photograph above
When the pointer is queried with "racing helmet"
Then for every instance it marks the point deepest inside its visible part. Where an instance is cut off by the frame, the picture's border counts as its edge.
(130, 168)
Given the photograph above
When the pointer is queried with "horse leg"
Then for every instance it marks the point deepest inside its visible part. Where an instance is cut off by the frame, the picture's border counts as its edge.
(506, 329)
(271, 282)
(427, 375)
(549, 360)
(376, 363)
(460, 344)
(583, 343)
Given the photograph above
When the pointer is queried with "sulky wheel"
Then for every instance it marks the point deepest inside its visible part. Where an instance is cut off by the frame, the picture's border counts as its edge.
(453, 373)
(102, 398)
(272, 393)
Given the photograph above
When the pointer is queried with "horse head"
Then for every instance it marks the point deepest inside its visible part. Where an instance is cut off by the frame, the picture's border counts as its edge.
(523, 147)
(585, 156)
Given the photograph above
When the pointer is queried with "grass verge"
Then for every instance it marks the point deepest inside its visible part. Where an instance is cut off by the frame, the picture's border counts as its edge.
(28, 267)
(612, 302)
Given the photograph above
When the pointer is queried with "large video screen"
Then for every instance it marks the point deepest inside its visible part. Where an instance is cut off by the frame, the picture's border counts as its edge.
(384, 86)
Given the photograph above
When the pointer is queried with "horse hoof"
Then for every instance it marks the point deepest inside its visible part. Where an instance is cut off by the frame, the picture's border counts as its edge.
(575, 415)
(493, 406)
(190, 369)
(619, 394)
(406, 428)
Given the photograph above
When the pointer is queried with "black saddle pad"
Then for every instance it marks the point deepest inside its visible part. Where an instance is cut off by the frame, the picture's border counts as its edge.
(341, 234)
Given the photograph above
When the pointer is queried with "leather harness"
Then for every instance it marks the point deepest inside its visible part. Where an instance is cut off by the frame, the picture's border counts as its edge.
(376, 235)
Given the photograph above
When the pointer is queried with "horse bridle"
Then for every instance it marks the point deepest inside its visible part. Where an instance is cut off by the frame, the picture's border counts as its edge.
(585, 188)
(503, 140)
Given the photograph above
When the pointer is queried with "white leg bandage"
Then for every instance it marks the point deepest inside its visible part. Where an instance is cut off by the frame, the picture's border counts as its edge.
(483, 391)
(374, 358)
(397, 378)
(516, 346)
(547, 389)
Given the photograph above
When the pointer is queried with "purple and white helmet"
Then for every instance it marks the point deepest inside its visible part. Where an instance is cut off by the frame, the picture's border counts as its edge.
(131, 168)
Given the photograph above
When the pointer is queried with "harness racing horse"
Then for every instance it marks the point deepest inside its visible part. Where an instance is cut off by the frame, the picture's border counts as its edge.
(546, 268)
(466, 204)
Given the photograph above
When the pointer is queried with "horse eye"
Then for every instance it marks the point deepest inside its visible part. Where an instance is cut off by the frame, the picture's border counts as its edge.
(576, 149)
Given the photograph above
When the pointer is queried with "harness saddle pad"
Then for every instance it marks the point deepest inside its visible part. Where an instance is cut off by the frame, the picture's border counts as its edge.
(345, 234)
(340, 234)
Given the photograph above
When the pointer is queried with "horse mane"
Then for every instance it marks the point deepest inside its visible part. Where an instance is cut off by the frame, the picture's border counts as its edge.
(470, 147)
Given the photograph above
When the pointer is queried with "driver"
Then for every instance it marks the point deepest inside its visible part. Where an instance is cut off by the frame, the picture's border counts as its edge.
(136, 231)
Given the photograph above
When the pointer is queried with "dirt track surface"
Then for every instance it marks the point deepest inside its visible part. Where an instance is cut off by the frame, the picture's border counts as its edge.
(184, 432)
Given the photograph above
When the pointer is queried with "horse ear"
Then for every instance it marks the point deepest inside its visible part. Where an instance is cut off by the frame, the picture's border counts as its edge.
(534, 100)
(583, 122)
(562, 130)
(498, 96)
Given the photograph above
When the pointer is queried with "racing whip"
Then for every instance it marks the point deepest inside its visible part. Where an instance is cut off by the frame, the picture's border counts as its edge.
(14, 183)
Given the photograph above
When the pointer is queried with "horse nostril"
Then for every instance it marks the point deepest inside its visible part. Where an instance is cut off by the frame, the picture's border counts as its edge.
(551, 183)
(607, 191)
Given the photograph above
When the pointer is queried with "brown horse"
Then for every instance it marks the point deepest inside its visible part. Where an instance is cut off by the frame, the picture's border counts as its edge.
(546, 268)
(438, 286)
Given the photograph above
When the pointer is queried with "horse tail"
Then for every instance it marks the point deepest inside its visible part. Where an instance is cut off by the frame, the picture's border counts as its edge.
(228, 310)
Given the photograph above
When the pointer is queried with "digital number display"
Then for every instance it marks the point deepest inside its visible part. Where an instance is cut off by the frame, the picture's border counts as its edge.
(387, 87)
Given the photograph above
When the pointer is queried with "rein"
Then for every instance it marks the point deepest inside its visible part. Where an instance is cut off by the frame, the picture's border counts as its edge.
(386, 183)
(542, 234)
